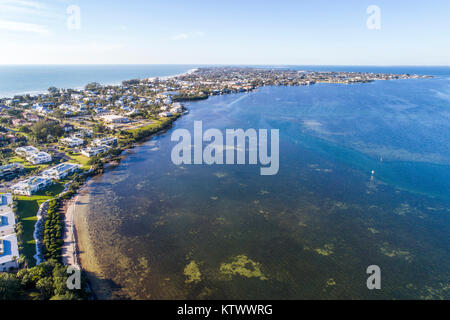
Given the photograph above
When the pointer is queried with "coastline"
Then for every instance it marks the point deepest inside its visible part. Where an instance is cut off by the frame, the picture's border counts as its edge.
(78, 249)
(81, 253)
(117, 83)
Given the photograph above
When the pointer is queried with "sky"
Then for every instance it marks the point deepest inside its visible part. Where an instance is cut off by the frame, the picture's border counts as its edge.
(281, 32)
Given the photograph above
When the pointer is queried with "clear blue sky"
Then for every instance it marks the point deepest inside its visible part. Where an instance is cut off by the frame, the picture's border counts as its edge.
(331, 32)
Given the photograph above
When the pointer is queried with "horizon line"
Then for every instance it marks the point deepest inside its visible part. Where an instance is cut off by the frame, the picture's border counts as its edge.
(222, 64)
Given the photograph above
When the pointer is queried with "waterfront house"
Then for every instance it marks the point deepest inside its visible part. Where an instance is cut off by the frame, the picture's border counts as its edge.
(93, 151)
(60, 171)
(31, 185)
(165, 115)
(110, 141)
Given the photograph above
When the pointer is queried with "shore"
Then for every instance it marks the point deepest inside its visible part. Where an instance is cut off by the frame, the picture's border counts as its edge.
(78, 250)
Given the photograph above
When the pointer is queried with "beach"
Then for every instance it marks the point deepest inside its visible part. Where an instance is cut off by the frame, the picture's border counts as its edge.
(78, 250)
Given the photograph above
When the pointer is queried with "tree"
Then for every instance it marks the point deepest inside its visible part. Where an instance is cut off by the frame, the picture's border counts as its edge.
(9, 286)
(53, 90)
(42, 130)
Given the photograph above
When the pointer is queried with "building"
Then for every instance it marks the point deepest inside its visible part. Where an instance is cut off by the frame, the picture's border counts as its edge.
(72, 142)
(31, 185)
(165, 115)
(7, 220)
(111, 141)
(9, 250)
(10, 171)
(113, 118)
(93, 151)
(39, 158)
(9, 253)
(33, 155)
(25, 151)
(60, 171)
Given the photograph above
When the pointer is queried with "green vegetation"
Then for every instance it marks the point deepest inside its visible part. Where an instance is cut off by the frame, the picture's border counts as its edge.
(242, 266)
(82, 160)
(48, 281)
(53, 232)
(27, 207)
(192, 273)
(158, 125)
(44, 131)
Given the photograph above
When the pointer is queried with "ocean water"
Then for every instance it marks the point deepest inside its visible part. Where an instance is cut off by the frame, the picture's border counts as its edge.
(162, 231)
(32, 79)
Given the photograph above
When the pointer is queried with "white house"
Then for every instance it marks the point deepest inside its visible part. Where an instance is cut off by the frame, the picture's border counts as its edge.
(165, 115)
(40, 157)
(72, 142)
(9, 250)
(93, 151)
(7, 220)
(60, 171)
(110, 141)
(113, 118)
(31, 185)
(25, 151)
(33, 155)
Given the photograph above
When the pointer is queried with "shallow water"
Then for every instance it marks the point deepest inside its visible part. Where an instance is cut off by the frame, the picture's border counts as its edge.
(225, 232)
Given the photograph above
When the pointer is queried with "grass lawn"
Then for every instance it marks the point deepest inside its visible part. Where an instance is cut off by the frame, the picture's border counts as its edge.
(80, 159)
(27, 207)
(28, 165)
(158, 124)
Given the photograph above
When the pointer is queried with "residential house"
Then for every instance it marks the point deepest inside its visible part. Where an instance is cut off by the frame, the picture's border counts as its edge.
(93, 151)
(31, 185)
(110, 141)
(10, 171)
(39, 158)
(60, 171)
(72, 142)
(112, 118)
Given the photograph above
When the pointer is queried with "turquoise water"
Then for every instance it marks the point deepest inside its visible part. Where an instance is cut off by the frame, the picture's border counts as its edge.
(310, 232)
(34, 79)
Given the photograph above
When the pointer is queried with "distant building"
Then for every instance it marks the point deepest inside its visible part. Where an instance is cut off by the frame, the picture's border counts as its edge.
(112, 118)
(72, 142)
(25, 151)
(165, 115)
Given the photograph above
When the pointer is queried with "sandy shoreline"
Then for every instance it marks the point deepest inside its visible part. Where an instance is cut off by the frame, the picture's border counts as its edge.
(78, 250)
